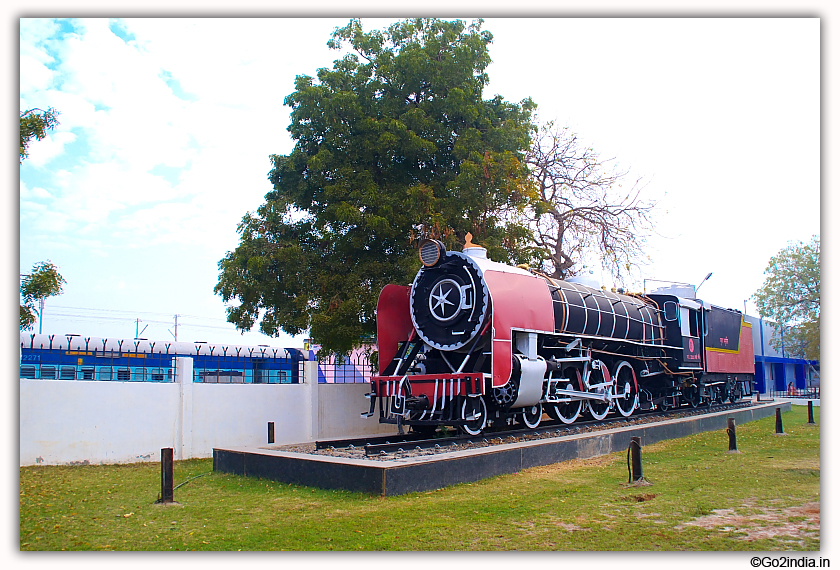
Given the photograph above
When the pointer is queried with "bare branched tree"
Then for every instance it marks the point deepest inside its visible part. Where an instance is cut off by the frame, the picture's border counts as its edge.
(581, 208)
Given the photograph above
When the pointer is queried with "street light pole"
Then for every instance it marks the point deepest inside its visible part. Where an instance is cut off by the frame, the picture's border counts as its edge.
(701, 283)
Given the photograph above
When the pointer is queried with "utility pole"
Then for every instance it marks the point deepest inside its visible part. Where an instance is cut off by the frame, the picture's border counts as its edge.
(176, 329)
(137, 331)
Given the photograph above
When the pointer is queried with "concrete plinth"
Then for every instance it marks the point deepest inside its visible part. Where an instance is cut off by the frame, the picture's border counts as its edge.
(414, 474)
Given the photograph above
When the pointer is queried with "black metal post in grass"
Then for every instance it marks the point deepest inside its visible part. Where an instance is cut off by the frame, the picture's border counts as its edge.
(780, 430)
(167, 476)
(811, 412)
(733, 440)
(270, 432)
(636, 459)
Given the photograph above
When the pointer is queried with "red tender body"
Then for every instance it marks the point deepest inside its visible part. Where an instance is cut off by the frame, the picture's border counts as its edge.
(741, 361)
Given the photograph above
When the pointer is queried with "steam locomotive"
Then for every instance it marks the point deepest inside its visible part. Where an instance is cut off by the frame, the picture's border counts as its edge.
(473, 344)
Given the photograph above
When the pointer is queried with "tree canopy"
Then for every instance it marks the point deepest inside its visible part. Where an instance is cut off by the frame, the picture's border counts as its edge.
(393, 143)
(790, 296)
(35, 123)
(44, 281)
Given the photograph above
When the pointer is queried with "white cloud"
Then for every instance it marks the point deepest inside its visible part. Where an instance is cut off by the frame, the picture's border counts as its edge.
(34, 58)
(53, 222)
(38, 76)
(36, 192)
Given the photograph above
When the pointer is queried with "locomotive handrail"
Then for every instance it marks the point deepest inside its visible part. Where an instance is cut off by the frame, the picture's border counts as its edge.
(572, 359)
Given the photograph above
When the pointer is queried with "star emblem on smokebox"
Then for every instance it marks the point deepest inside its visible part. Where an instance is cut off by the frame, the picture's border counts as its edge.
(445, 300)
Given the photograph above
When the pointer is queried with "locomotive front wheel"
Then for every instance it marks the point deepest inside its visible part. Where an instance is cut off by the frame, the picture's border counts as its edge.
(567, 412)
(626, 393)
(474, 411)
(532, 415)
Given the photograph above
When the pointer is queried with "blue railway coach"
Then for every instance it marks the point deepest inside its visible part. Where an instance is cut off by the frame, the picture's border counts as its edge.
(73, 357)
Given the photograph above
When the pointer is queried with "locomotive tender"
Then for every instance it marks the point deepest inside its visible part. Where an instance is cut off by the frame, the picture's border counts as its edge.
(474, 343)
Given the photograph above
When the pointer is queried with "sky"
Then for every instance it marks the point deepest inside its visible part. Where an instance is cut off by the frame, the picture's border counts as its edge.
(166, 126)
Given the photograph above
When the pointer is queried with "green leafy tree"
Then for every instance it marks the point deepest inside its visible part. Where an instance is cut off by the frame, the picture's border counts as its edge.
(44, 281)
(393, 143)
(790, 296)
(35, 123)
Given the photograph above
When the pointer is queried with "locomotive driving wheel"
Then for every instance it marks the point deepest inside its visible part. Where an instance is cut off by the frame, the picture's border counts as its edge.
(567, 411)
(596, 382)
(474, 411)
(626, 394)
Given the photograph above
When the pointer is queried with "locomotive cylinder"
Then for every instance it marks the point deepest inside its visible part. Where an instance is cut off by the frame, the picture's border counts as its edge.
(531, 375)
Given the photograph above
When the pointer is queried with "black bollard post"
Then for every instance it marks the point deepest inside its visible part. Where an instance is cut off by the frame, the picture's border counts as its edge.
(730, 430)
(167, 475)
(779, 428)
(811, 412)
(636, 458)
(270, 432)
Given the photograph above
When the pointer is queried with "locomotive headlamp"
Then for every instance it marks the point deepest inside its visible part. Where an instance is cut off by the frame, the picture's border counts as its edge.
(431, 251)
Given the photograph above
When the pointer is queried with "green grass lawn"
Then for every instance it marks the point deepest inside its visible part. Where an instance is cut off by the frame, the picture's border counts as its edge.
(701, 497)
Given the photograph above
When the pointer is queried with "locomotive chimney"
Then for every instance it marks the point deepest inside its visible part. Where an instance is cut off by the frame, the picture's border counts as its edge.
(474, 250)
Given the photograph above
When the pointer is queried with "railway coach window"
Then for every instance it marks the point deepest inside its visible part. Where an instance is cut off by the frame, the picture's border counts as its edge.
(105, 373)
(123, 374)
(28, 371)
(48, 373)
(86, 373)
(68, 372)
(158, 375)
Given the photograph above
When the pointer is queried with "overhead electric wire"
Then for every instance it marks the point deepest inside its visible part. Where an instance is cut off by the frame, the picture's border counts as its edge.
(58, 316)
(134, 312)
(132, 318)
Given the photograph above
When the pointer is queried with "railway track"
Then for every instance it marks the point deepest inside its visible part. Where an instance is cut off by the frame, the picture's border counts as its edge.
(383, 446)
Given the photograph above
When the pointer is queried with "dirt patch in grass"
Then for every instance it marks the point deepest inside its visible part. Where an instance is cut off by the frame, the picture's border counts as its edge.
(641, 498)
(797, 523)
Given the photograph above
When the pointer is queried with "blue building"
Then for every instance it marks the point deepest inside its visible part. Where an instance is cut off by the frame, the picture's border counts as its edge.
(776, 370)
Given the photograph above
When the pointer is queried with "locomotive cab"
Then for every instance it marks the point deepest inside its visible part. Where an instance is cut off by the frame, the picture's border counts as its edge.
(684, 330)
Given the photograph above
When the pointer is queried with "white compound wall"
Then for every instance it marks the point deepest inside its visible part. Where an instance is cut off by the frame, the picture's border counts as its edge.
(89, 422)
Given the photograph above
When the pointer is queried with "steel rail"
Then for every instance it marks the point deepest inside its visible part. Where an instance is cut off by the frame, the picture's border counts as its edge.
(380, 447)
